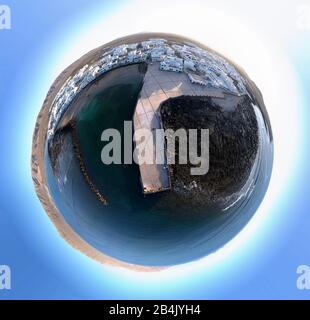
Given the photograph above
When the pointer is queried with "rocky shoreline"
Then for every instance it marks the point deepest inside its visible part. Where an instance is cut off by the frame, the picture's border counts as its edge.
(233, 146)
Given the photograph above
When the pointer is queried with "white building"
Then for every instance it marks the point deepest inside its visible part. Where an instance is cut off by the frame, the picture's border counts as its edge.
(120, 50)
(131, 55)
(170, 51)
(158, 54)
(140, 56)
(177, 47)
(196, 79)
(153, 43)
(171, 63)
(189, 65)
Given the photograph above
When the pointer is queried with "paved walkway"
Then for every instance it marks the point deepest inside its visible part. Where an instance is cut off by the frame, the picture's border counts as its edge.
(159, 86)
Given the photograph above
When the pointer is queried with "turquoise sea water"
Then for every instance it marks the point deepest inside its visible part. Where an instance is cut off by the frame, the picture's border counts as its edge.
(154, 230)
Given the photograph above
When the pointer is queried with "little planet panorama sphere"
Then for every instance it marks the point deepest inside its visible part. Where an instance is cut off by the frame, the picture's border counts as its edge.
(150, 151)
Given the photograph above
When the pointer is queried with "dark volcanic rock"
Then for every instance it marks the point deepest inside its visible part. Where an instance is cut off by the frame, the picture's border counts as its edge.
(233, 144)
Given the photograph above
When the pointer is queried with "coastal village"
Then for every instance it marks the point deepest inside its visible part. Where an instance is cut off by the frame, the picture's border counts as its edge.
(202, 67)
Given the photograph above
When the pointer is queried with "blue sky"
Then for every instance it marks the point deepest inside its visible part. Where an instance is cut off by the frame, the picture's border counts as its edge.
(44, 39)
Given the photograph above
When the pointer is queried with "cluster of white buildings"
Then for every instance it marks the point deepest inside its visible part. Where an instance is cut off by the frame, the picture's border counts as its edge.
(202, 67)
